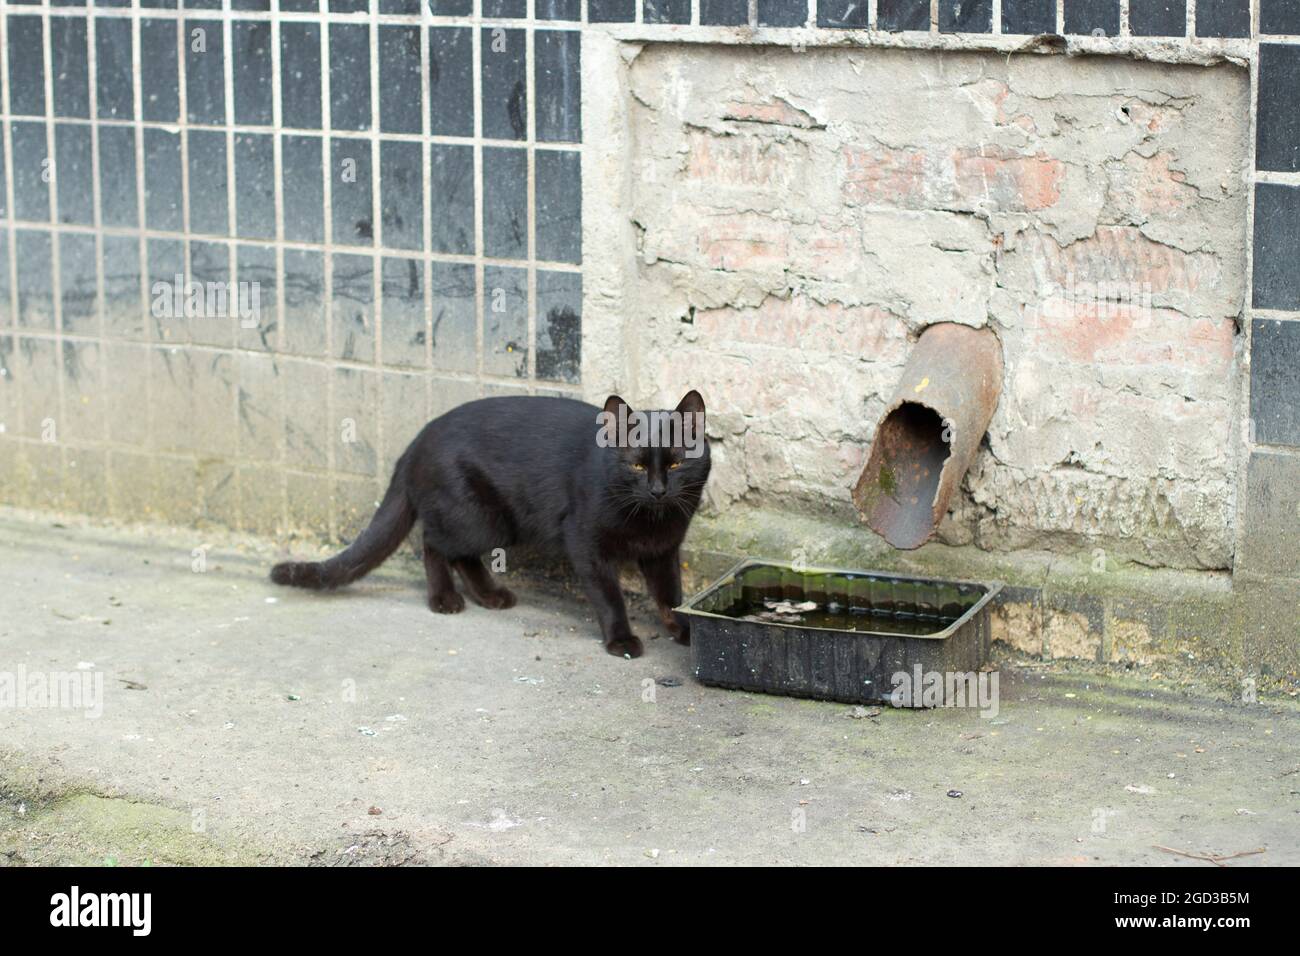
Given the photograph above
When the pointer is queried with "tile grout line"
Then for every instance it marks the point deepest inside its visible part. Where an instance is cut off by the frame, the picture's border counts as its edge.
(56, 264)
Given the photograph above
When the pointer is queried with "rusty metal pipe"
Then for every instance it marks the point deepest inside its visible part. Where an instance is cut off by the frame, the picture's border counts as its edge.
(930, 432)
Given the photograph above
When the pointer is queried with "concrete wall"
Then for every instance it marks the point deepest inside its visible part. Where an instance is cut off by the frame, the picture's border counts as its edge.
(799, 217)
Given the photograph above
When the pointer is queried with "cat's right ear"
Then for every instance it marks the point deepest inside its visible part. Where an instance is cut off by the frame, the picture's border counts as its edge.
(613, 404)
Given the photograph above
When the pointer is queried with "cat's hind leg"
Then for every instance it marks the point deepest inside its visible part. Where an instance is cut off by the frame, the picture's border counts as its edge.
(443, 598)
(480, 584)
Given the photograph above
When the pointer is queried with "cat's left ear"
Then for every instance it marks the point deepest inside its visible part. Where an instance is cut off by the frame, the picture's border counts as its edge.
(691, 404)
(613, 403)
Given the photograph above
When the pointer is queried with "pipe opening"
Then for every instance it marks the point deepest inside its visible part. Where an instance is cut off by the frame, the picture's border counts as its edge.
(912, 451)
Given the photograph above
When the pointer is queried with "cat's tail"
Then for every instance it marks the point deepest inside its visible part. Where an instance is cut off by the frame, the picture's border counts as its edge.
(384, 535)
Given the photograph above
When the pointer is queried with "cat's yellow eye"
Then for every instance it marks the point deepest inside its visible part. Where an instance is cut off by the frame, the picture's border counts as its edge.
(674, 464)
(638, 466)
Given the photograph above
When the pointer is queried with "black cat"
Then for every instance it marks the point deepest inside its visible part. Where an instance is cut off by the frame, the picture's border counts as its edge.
(499, 472)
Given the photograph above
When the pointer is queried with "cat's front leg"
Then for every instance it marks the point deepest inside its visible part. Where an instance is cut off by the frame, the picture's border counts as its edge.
(600, 582)
(663, 579)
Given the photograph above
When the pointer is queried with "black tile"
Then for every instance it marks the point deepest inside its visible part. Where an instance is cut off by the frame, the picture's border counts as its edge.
(965, 16)
(162, 180)
(504, 9)
(611, 11)
(112, 3)
(254, 98)
(451, 8)
(205, 75)
(559, 326)
(558, 95)
(255, 299)
(300, 6)
(255, 186)
(1279, 17)
(559, 205)
(114, 70)
(1028, 17)
(1275, 381)
(117, 186)
(347, 6)
(159, 4)
(209, 201)
(505, 95)
(1223, 18)
(407, 8)
(304, 302)
(1157, 18)
(400, 79)
(505, 321)
(401, 194)
(201, 4)
(558, 9)
(31, 165)
(505, 203)
(1092, 17)
(75, 169)
(256, 5)
(665, 11)
(1277, 136)
(778, 13)
(451, 81)
(731, 12)
(1277, 246)
(33, 250)
(897, 15)
(350, 192)
(844, 14)
(79, 283)
(405, 334)
(160, 100)
(71, 66)
(300, 76)
(4, 213)
(349, 76)
(303, 189)
(353, 310)
(26, 66)
(451, 198)
(455, 317)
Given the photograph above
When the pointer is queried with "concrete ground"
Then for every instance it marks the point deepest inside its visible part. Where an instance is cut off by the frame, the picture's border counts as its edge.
(242, 722)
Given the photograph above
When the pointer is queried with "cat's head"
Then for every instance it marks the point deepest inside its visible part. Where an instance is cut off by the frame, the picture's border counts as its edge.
(662, 456)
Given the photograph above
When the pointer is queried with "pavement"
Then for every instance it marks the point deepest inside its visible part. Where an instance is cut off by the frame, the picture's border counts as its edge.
(239, 722)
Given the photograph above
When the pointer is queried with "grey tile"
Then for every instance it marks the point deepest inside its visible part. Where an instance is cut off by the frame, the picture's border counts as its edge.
(71, 66)
(1271, 516)
(405, 334)
(1277, 246)
(1028, 16)
(771, 13)
(209, 197)
(558, 9)
(505, 202)
(679, 11)
(1277, 142)
(303, 188)
(1223, 18)
(736, 12)
(114, 69)
(965, 16)
(30, 163)
(504, 9)
(160, 100)
(505, 321)
(1279, 17)
(451, 81)
(353, 310)
(1157, 18)
(251, 72)
(26, 40)
(255, 186)
(257, 315)
(124, 311)
(504, 84)
(611, 11)
(79, 283)
(300, 75)
(118, 205)
(350, 76)
(33, 252)
(559, 326)
(451, 198)
(1275, 381)
(304, 302)
(400, 79)
(559, 205)
(162, 180)
(558, 92)
(1092, 17)
(898, 15)
(401, 183)
(350, 192)
(75, 169)
(455, 324)
(205, 72)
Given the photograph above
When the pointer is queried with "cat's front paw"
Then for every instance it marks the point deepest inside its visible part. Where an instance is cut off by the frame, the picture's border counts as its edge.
(628, 645)
(448, 602)
(679, 628)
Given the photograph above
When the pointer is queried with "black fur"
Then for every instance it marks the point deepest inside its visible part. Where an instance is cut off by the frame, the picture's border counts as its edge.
(501, 472)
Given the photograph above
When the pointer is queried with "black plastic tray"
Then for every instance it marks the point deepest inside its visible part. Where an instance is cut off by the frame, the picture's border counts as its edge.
(906, 622)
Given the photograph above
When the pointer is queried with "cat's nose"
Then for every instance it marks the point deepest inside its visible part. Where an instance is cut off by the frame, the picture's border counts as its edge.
(658, 490)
